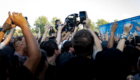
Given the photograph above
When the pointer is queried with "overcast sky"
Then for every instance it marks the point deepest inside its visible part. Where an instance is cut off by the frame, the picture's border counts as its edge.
(96, 9)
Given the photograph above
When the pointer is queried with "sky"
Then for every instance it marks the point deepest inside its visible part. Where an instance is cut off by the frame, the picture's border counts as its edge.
(96, 9)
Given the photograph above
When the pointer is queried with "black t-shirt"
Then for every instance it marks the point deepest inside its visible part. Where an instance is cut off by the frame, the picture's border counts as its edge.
(50, 73)
(77, 68)
(22, 74)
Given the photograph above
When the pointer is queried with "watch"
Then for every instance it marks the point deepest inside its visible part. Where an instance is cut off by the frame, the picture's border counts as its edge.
(2, 30)
(123, 37)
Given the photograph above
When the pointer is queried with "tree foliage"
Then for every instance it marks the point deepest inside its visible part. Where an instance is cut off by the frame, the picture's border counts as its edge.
(115, 20)
(40, 23)
(101, 22)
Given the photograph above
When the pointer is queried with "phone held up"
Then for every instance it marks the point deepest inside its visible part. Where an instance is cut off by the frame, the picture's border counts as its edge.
(82, 15)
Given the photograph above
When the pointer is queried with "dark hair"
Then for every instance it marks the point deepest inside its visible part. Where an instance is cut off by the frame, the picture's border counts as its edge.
(83, 42)
(49, 46)
(132, 53)
(52, 38)
(127, 42)
(56, 21)
(66, 46)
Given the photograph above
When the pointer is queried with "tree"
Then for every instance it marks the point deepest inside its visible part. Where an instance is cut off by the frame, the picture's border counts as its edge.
(115, 20)
(53, 22)
(40, 23)
(92, 24)
(101, 22)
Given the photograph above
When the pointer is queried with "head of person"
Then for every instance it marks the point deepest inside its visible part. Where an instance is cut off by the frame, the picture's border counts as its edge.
(83, 42)
(51, 28)
(67, 47)
(20, 44)
(50, 47)
(132, 54)
(112, 64)
(57, 22)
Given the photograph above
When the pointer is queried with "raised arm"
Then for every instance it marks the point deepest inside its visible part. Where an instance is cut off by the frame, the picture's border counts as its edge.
(107, 36)
(111, 40)
(58, 39)
(127, 29)
(64, 38)
(96, 39)
(6, 26)
(33, 51)
(46, 31)
(7, 40)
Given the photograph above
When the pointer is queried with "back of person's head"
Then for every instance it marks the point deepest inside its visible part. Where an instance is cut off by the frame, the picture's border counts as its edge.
(52, 38)
(42, 62)
(4, 66)
(66, 46)
(132, 53)
(50, 46)
(112, 64)
(83, 42)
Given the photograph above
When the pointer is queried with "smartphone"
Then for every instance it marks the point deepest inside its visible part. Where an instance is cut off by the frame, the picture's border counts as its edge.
(137, 40)
(82, 15)
(24, 17)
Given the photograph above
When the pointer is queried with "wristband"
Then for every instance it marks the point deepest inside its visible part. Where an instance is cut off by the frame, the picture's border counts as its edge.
(2, 30)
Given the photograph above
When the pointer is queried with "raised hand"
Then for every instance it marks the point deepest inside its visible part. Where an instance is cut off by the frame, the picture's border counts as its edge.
(127, 29)
(114, 27)
(18, 19)
(137, 28)
(87, 23)
(8, 24)
(135, 34)
(48, 26)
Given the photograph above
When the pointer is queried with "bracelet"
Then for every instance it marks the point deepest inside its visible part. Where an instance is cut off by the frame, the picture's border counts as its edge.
(2, 30)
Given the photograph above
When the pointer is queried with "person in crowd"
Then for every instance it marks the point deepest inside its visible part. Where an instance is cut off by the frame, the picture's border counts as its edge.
(82, 66)
(66, 52)
(20, 49)
(51, 32)
(30, 67)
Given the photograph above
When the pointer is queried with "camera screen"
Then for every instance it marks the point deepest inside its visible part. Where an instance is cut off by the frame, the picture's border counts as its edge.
(82, 14)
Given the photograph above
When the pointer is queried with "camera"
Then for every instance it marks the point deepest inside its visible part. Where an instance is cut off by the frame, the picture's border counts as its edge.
(71, 21)
(82, 16)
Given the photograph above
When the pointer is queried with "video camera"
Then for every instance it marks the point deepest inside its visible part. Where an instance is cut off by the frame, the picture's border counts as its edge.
(71, 21)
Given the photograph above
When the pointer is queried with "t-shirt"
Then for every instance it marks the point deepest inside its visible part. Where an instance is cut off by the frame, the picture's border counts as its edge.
(2, 45)
(22, 74)
(50, 73)
(77, 68)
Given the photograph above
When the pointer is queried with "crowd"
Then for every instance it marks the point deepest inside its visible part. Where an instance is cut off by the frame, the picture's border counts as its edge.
(67, 55)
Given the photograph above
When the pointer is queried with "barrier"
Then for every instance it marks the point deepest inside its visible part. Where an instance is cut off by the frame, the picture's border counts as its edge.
(134, 20)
